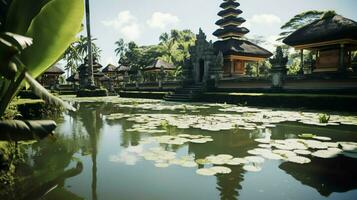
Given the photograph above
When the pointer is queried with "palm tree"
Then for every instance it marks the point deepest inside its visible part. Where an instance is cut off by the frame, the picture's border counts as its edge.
(91, 76)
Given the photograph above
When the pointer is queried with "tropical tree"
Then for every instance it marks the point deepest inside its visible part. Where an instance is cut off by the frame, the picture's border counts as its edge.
(77, 52)
(121, 48)
(89, 46)
(301, 20)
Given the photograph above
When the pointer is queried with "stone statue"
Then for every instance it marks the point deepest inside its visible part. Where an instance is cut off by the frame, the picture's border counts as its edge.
(278, 70)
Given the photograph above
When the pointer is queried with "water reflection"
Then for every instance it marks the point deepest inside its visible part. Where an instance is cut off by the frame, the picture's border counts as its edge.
(120, 162)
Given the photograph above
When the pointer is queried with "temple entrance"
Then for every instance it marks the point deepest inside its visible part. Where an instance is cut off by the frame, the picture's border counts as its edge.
(201, 70)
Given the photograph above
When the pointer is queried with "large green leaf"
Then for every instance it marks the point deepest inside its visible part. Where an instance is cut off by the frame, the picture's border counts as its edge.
(21, 14)
(52, 30)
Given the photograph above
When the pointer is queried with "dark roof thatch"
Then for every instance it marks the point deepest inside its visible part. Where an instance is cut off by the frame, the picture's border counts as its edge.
(230, 11)
(109, 68)
(229, 19)
(96, 65)
(230, 3)
(104, 78)
(241, 48)
(322, 30)
(158, 64)
(73, 78)
(54, 70)
(231, 29)
(122, 69)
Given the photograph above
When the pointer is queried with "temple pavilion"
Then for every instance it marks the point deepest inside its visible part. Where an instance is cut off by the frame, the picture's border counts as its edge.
(50, 78)
(237, 51)
(331, 39)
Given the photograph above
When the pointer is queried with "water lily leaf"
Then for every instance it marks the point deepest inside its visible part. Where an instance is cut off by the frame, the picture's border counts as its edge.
(254, 159)
(221, 170)
(202, 161)
(252, 168)
(307, 135)
(206, 172)
(299, 159)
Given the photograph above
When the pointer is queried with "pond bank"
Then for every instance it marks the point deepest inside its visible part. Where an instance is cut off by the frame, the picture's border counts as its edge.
(335, 102)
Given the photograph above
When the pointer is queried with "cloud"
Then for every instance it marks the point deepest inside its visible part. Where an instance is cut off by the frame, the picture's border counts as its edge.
(271, 43)
(127, 25)
(162, 20)
(268, 19)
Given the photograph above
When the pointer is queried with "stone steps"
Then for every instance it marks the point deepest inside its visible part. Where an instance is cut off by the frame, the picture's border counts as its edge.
(186, 94)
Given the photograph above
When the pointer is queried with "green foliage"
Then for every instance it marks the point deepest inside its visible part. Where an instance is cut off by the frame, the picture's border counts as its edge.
(52, 24)
(77, 51)
(173, 48)
(301, 20)
(253, 71)
(52, 30)
(324, 118)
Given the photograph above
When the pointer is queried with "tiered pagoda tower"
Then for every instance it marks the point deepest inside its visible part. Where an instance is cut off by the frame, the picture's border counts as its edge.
(236, 50)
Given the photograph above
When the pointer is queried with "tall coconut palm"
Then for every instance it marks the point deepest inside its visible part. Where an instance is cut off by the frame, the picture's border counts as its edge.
(90, 58)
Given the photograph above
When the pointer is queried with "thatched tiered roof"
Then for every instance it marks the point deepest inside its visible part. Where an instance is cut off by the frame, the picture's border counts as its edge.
(231, 34)
(241, 48)
(157, 65)
(109, 68)
(329, 28)
(54, 70)
(230, 21)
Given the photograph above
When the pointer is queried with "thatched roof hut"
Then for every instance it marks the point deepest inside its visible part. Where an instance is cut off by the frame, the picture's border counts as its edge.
(110, 68)
(241, 48)
(324, 30)
(331, 38)
(54, 70)
(158, 64)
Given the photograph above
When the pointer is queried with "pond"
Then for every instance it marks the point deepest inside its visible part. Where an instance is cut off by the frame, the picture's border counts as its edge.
(116, 148)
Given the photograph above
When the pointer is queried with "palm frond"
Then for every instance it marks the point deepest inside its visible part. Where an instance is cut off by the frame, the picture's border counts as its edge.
(41, 92)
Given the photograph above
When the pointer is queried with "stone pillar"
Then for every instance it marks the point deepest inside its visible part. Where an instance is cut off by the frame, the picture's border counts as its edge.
(278, 70)
(258, 65)
(301, 71)
(232, 66)
(342, 67)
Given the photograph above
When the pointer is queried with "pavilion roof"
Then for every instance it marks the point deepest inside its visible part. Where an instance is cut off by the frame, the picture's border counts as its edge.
(54, 70)
(123, 69)
(109, 68)
(73, 78)
(241, 48)
(322, 30)
(158, 64)
(229, 4)
(230, 19)
(228, 11)
(231, 30)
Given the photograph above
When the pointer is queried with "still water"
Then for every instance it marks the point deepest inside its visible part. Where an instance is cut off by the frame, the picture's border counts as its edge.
(96, 158)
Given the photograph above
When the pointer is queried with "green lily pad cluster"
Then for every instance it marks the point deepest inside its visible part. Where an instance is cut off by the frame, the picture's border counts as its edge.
(178, 140)
(293, 150)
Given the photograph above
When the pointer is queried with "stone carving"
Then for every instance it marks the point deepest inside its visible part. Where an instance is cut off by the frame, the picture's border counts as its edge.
(204, 63)
(278, 70)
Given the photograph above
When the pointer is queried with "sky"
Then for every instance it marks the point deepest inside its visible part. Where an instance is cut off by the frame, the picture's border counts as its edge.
(143, 21)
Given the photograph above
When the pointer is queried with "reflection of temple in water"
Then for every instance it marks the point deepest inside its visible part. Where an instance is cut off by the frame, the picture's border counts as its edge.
(329, 175)
(236, 144)
(325, 175)
(93, 123)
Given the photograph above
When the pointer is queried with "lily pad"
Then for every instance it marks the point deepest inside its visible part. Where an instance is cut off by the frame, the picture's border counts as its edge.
(221, 170)
(252, 168)
(206, 172)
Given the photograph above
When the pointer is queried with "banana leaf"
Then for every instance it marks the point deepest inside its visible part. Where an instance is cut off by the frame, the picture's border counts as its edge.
(15, 130)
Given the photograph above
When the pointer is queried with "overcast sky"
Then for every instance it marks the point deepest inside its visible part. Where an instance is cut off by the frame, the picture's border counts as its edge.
(143, 21)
